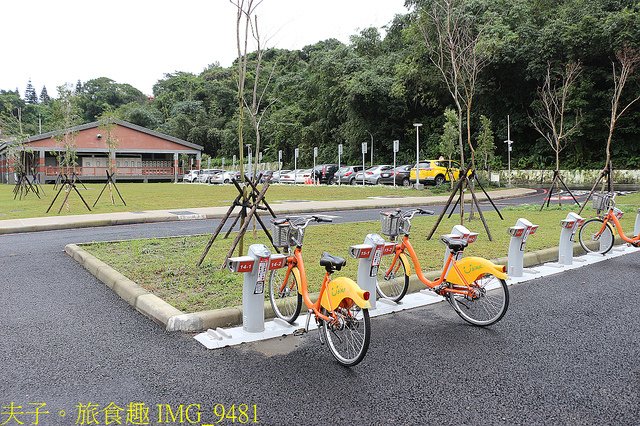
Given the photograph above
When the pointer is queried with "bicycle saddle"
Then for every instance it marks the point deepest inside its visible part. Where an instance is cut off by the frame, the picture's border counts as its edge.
(332, 262)
(454, 243)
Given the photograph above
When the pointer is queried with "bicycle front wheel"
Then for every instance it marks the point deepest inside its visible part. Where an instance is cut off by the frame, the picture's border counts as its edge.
(593, 238)
(393, 281)
(348, 335)
(486, 302)
(285, 299)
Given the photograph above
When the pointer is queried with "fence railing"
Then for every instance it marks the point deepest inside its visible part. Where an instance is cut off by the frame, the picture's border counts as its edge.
(120, 171)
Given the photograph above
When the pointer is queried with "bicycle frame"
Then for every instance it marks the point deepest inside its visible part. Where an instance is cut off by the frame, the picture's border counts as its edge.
(332, 292)
(459, 274)
(616, 223)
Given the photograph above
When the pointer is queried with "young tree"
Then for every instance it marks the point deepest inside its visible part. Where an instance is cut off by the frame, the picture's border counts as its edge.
(485, 143)
(552, 119)
(65, 117)
(450, 135)
(453, 40)
(256, 108)
(629, 59)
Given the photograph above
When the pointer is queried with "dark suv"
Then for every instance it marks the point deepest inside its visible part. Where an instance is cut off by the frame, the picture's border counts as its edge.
(347, 175)
(324, 172)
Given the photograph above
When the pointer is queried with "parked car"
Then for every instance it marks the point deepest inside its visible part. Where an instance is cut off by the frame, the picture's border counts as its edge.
(347, 175)
(225, 176)
(372, 174)
(289, 177)
(323, 173)
(267, 175)
(303, 176)
(435, 171)
(206, 175)
(275, 178)
(191, 176)
(400, 175)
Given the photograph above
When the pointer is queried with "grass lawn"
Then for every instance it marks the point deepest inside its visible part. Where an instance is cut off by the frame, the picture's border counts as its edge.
(167, 268)
(163, 196)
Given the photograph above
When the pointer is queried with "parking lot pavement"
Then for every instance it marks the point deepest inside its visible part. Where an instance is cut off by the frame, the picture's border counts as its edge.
(565, 353)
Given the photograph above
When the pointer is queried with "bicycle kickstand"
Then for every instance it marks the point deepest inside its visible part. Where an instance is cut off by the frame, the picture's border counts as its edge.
(305, 329)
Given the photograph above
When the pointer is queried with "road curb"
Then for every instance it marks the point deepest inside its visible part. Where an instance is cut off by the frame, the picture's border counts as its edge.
(68, 222)
(173, 319)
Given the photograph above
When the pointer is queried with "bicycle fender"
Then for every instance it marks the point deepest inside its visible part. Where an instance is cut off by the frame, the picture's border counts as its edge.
(296, 274)
(343, 288)
(472, 268)
(407, 264)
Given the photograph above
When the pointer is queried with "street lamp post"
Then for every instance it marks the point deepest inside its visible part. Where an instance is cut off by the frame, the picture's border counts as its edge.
(313, 171)
(338, 172)
(249, 159)
(364, 151)
(396, 148)
(279, 164)
(371, 147)
(509, 142)
(417, 126)
(295, 165)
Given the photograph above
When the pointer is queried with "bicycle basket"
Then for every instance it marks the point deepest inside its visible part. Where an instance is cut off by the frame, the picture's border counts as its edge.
(389, 224)
(601, 201)
(281, 234)
(405, 226)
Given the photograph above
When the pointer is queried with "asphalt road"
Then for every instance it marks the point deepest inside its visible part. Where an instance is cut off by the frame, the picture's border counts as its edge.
(566, 352)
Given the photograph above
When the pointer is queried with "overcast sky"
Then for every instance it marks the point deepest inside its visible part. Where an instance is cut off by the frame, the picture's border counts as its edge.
(53, 42)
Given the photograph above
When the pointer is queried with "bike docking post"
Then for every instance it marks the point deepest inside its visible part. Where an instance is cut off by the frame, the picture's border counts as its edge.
(519, 234)
(369, 255)
(255, 267)
(636, 228)
(458, 231)
(570, 225)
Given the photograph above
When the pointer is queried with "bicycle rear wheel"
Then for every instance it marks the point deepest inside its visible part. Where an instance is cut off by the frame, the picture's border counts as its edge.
(348, 336)
(594, 241)
(394, 285)
(487, 303)
(284, 297)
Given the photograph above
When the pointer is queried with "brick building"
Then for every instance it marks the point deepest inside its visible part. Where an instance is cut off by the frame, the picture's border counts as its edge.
(141, 154)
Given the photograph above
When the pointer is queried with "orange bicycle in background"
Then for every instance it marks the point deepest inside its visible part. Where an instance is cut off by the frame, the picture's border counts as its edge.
(475, 287)
(342, 308)
(600, 229)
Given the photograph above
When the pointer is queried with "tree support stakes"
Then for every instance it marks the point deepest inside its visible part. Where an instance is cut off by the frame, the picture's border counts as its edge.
(245, 225)
(487, 195)
(72, 185)
(605, 172)
(442, 213)
(557, 178)
(109, 181)
(253, 203)
(76, 178)
(460, 187)
(235, 203)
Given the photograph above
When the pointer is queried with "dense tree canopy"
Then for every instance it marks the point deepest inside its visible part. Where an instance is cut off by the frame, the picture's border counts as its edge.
(378, 85)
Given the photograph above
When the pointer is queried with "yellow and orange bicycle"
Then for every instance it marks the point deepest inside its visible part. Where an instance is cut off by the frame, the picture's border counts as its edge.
(475, 287)
(600, 229)
(342, 308)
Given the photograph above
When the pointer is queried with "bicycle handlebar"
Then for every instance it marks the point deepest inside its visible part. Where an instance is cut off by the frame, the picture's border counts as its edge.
(301, 222)
(409, 214)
